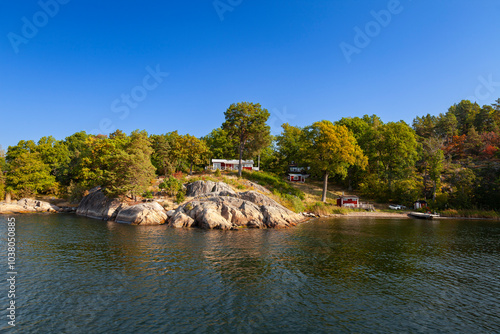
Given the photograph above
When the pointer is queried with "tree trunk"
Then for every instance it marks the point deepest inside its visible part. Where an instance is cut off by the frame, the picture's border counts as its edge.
(325, 187)
(434, 191)
(240, 166)
(191, 169)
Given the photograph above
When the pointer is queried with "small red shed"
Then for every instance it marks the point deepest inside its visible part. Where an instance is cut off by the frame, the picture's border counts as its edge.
(348, 201)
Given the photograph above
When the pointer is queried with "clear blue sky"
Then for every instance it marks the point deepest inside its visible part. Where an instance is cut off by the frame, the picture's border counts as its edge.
(85, 56)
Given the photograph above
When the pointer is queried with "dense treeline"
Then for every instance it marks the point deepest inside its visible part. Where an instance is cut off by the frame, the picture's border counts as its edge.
(125, 165)
(122, 164)
(451, 159)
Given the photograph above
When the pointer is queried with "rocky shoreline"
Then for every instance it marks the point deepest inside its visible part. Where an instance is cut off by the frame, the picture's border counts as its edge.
(28, 205)
(214, 205)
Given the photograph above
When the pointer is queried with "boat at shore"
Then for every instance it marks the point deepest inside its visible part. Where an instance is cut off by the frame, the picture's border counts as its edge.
(421, 215)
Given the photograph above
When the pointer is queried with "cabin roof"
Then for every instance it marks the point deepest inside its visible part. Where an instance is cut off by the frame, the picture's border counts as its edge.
(232, 162)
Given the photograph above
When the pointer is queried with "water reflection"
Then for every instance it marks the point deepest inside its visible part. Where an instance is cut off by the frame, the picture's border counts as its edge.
(342, 275)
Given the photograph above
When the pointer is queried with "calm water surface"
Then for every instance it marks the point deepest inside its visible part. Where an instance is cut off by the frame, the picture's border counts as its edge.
(78, 275)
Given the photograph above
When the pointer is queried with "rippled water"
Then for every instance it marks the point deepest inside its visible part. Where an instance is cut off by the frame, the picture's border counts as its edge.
(77, 275)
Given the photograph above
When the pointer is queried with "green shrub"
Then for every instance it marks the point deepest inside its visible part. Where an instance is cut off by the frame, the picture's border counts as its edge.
(202, 178)
(180, 197)
(470, 214)
(296, 203)
(320, 208)
(171, 185)
(289, 201)
(148, 194)
(230, 181)
(217, 173)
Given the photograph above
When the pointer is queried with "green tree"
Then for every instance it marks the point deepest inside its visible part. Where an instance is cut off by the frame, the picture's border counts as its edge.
(141, 171)
(76, 144)
(330, 149)
(463, 184)
(485, 120)
(161, 157)
(407, 191)
(396, 147)
(221, 145)
(28, 175)
(77, 141)
(3, 163)
(270, 159)
(2, 186)
(466, 113)
(358, 126)
(447, 125)
(424, 126)
(474, 144)
(496, 114)
(3, 166)
(496, 105)
(488, 190)
(131, 171)
(98, 155)
(55, 154)
(368, 139)
(433, 158)
(177, 153)
(195, 151)
(246, 123)
(362, 129)
(22, 147)
(289, 144)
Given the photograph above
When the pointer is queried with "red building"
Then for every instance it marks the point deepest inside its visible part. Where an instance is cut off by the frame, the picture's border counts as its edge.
(296, 173)
(348, 201)
(297, 177)
(420, 204)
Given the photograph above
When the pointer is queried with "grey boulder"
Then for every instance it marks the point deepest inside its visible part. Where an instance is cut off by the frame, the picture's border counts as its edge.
(150, 213)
